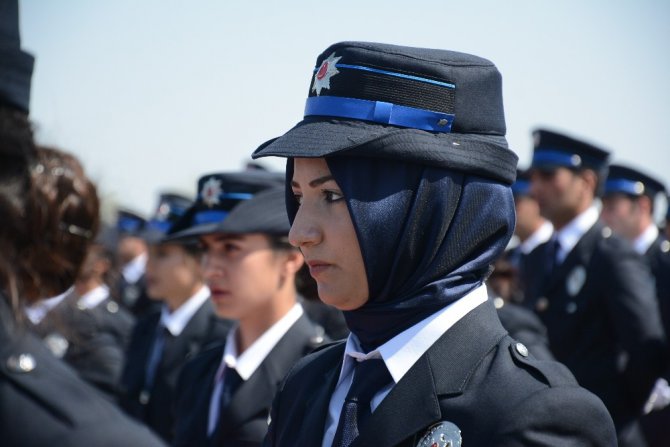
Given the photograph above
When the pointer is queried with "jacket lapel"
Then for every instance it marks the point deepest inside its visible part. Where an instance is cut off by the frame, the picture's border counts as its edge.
(442, 372)
(579, 255)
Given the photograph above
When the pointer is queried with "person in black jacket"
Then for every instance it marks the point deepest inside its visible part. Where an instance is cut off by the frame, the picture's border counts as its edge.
(164, 340)
(628, 209)
(224, 395)
(594, 293)
(45, 229)
(398, 189)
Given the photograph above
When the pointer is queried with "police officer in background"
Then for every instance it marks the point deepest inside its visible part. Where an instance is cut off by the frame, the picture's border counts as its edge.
(628, 207)
(82, 325)
(185, 323)
(225, 394)
(42, 401)
(591, 289)
(132, 256)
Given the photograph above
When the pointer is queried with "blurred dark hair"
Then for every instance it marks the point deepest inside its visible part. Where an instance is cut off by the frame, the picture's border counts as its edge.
(50, 214)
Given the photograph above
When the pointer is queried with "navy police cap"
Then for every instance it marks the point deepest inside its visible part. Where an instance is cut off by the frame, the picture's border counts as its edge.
(16, 66)
(434, 107)
(129, 223)
(170, 208)
(521, 186)
(625, 180)
(554, 150)
(218, 195)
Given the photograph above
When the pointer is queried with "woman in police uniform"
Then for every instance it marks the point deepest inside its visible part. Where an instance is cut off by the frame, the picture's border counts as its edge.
(398, 191)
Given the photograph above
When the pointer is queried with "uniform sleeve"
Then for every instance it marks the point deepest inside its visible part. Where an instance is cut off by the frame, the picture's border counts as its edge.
(634, 314)
(557, 416)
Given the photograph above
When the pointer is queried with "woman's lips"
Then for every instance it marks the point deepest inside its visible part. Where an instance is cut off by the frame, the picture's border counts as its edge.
(318, 267)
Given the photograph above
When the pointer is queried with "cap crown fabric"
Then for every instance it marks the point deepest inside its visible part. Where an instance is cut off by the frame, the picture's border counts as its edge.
(432, 107)
(218, 195)
(626, 180)
(552, 150)
(16, 66)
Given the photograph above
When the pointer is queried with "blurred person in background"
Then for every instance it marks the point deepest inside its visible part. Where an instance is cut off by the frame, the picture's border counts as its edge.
(42, 245)
(184, 324)
(628, 209)
(225, 394)
(593, 292)
(82, 325)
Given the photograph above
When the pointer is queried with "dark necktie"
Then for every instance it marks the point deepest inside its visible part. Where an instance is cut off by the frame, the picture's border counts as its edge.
(231, 382)
(154, 360)
(370, 376)
(551, 255)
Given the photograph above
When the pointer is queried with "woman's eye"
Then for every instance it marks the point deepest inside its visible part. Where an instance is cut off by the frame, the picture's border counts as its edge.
(230, 248)
(333, 196)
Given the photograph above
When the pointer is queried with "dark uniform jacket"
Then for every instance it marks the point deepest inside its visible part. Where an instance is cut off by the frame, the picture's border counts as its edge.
(44, 403)
(601, 314)
(656, 256)
(474, 376)
(92, 341)
(245, 421)
(525, 326)
(155, 407)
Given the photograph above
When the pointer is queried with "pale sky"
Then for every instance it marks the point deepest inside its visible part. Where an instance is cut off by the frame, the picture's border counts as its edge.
(151, 94)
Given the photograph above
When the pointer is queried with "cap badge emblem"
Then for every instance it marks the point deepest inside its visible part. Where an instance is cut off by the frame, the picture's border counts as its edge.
(211, 190)
(326, 71)
(576, 280)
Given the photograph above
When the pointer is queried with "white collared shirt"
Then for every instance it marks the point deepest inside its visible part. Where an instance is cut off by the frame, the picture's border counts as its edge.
(176, 321)
(642, 243)
(399, 354)
(134, 270)
(540, 236)
(40, 309)
(569, 235)
(248, 362)
(92, 298)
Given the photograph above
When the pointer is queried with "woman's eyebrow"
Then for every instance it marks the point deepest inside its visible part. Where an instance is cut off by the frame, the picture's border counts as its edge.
(316, 182)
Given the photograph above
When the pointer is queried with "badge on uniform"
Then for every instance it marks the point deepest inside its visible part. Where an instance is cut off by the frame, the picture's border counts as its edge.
(57, 344)
(443, 434)
(576, 280)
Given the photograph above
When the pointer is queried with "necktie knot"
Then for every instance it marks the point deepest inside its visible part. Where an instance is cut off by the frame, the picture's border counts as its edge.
(370, 376)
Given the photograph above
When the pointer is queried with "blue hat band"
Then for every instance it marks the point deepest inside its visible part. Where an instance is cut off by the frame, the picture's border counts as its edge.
(379, 112)
(624, 186)
(554, 157)
(232, 196)
(521, 188)
(161, 225)
(204, 217)
(128, 225)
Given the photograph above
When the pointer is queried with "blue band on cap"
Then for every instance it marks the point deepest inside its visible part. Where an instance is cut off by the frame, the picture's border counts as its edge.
(554, 157)
(391, 73)
(379, 112)
(521, 187)
(160, 225)
(204, 217)
(128, 225)
(625, 186)
(233, 196)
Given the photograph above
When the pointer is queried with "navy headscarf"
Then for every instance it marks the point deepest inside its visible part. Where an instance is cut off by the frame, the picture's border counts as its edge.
(428, 236)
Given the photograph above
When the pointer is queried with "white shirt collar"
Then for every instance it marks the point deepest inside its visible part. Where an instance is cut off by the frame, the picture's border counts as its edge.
(248, 362)
(134, 270)
(176, 321)
(540, 236)
(569, 235)
(40, 309)
(642, 243)
(403, 350)
(92, 298)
